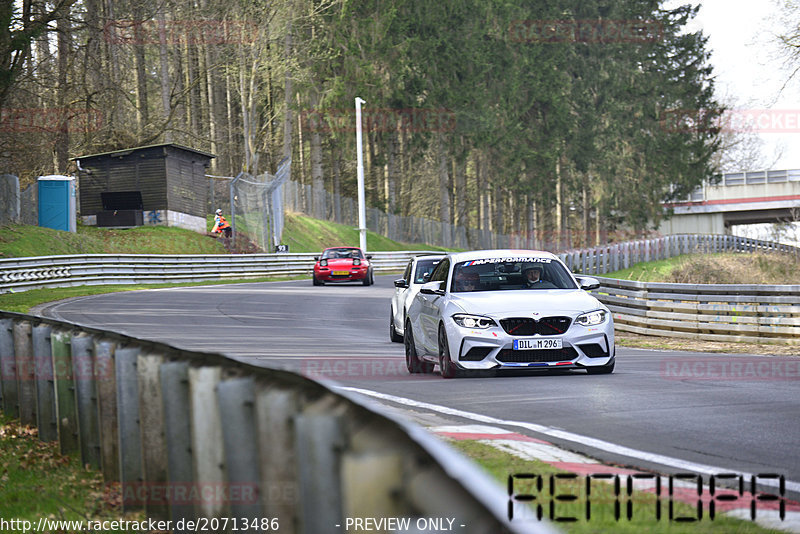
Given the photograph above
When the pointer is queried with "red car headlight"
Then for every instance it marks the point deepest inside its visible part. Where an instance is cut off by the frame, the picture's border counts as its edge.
(356, 261)
(323, 263)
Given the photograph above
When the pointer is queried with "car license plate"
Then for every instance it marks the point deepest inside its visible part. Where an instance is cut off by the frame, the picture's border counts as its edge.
(536, 344)
(341, 273)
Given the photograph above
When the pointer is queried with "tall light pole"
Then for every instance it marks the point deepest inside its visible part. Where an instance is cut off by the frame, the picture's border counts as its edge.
(362, 209)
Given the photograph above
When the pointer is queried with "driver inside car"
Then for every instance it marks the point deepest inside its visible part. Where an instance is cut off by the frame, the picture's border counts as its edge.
(533, 276)
(467, 281)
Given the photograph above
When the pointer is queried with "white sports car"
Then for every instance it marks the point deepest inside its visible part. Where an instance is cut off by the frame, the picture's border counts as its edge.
(507, 309)
(405, 290)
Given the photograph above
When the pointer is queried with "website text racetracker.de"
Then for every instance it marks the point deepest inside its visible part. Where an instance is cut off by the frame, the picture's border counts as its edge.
(24, 526)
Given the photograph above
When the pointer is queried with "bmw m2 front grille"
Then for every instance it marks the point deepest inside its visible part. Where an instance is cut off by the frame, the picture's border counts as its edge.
(526, 326)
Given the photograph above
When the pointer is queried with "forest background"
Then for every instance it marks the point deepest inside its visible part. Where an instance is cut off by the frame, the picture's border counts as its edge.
(574, 119)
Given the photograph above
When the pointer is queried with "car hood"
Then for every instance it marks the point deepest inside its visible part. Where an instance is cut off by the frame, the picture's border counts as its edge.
(526, 301)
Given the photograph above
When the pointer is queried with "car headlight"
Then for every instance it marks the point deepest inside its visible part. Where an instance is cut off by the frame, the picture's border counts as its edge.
(323, 263)
(592, 318)
(473, 321)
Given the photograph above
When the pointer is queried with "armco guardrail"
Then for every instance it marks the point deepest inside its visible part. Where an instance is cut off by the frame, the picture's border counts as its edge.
(617, 256)
(197, 435)
(713, 312)
(19, 274)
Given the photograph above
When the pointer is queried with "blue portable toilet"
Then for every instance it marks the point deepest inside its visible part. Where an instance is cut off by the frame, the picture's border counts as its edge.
(57, 203)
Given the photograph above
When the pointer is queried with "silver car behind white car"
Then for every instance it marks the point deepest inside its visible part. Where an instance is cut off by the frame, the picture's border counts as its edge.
(507, 309)
(406, 288)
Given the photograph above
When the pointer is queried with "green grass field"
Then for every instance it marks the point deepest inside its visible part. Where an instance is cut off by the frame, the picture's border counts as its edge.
(18, 241)
(720, 268)
(302, 234)
(654, 271)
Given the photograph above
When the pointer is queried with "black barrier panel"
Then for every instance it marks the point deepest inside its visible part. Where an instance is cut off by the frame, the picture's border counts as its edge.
(122, 200)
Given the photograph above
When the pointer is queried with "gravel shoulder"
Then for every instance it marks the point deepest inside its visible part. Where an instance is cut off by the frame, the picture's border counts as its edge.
(626, 339)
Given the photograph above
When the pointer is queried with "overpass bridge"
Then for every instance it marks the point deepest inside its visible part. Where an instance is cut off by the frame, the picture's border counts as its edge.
(740, 198)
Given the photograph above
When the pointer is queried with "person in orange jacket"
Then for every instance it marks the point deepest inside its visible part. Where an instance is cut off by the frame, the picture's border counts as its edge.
(221, 226)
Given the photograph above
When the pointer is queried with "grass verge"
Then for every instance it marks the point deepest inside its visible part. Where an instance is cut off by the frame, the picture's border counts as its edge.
(36, 482)
(18, 241)
(653, 271)
(306, 234)
(602, 499)
(23, 301)
(721, 268)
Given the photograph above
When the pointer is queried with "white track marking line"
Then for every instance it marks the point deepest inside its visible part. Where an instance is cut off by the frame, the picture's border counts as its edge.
(570, 436)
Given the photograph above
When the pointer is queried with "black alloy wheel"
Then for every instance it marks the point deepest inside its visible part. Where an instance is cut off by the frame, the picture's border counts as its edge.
(413, 363)
(446, 365)
(393, 335)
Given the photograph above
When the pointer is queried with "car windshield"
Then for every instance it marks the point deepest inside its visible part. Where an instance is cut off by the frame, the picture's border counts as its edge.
(498, 274)
(424, 267)
(341, 253)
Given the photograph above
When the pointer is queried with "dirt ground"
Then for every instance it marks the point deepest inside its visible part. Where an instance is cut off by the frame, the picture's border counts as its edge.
(626, 339)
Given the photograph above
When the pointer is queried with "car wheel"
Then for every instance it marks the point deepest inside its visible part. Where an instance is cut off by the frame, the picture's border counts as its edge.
(413, 363)
(371, 277)
(367, 280)
(602, 370)
(315, 281)
(446, 365)
(393, 335)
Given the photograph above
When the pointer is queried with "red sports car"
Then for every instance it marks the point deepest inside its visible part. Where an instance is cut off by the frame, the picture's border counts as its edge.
(342, 264)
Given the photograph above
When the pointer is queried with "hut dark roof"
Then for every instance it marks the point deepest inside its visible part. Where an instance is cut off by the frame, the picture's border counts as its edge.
(126, 151)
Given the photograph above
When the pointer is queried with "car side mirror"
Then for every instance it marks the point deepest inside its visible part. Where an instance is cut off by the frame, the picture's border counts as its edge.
(369, 256)
(401, 283)
(432, 288)
(588, 283)
(316, 258)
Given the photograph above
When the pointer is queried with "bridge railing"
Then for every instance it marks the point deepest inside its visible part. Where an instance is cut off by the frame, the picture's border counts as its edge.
(195, 435)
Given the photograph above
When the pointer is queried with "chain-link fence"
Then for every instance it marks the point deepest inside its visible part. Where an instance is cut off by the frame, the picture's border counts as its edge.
(302, 199)
(255, 205)
(17, 205)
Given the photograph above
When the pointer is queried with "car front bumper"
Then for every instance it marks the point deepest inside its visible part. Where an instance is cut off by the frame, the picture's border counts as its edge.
(492, 348)
(354, 274)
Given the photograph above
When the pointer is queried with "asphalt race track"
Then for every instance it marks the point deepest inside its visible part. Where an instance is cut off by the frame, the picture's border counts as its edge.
(709, 412)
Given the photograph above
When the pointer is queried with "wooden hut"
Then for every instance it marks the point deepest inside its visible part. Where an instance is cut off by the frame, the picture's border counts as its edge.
(152, 185)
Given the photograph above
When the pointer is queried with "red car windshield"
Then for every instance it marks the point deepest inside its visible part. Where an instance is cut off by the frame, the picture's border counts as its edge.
(342, 253)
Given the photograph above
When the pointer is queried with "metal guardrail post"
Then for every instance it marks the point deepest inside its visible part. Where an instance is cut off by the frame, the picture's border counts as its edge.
(275, 427)
(372, 475)
(8, 370)
(153, 440)
(46, 420)
(319, 443)
(208, 445)
(106, 384)
(26, 382)
(130, 435)
(178, 435)
(232, 191)
(237, 410)
(66, 409)
(86, 399)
